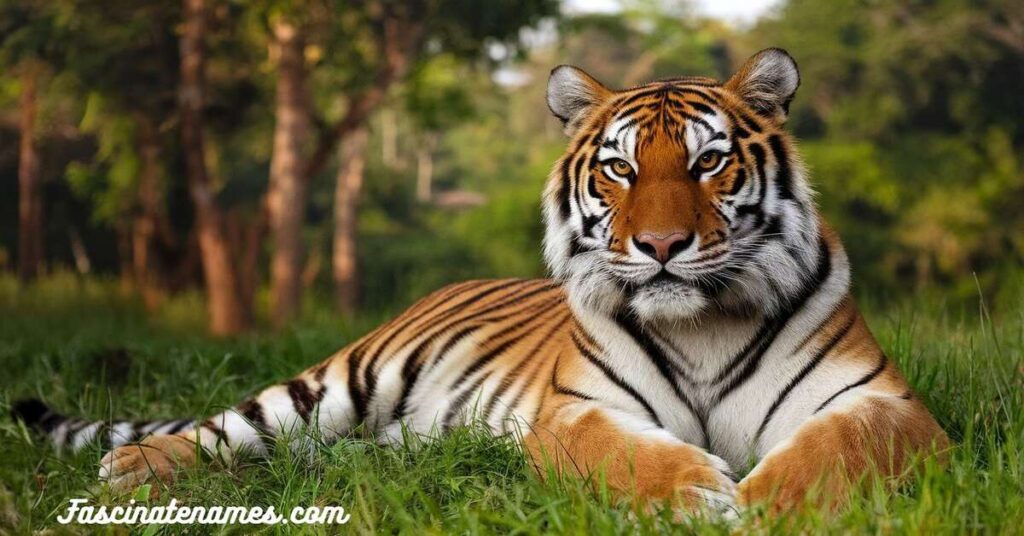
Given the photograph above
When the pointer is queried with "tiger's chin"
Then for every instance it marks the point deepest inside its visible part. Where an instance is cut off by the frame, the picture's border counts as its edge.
(661, 299)
(667, 301)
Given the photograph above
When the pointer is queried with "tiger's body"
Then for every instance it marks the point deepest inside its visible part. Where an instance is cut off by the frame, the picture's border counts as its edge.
(699, 323)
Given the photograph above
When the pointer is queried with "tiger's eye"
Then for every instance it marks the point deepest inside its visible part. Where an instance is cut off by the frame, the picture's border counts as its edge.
(709, 160)
(621, 168)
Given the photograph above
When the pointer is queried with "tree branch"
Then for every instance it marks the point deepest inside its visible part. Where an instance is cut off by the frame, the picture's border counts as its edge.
(399, 39)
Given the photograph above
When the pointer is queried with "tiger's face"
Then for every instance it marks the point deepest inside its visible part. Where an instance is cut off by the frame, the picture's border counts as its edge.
(680, 196)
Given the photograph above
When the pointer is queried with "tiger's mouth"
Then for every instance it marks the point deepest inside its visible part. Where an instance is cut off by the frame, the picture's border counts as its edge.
(707, 284)
(664, 278)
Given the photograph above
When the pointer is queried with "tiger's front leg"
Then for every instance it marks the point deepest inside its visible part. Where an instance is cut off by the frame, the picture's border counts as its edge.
(636, 458)
(876, 436)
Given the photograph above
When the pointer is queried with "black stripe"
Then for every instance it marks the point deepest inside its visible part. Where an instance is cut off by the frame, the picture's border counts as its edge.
(355, 391)
(666, 367)
(445, 299)
(741, 124)
(711, 99)
(137, 429)
(514, 374)
(592, 190)
(783, 176)
(751, 355)
(662, 363)
(741, 179)
(413, 365)
(563, 190)
(479, 316)
(589, 223)
(181, 424)
(486, 358)
(759, 161)
(252, 411)
(749, 122)
(614, 378)
(630, 99)
(810, 366)
(303, 400)
(882, 362)
(577, 166)
(563, 390)
(456, 406)
(50, 421)
(361, 397)
(725, 219)
(701, 107)
(697, 119)
(522, 391)
(222, 437)
(664, 342)
(525, 325)
(74, 428)
(629, 111)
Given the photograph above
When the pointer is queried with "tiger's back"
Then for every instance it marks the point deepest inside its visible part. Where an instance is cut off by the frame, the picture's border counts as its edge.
(472, 352)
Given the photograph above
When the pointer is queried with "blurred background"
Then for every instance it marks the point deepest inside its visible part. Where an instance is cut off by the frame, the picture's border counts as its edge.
(247, 164)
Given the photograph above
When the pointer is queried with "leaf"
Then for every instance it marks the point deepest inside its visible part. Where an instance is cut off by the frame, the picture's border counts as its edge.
(142, 493)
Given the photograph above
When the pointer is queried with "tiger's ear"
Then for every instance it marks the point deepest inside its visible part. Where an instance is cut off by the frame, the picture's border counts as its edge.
(573, 94)
(767, 82)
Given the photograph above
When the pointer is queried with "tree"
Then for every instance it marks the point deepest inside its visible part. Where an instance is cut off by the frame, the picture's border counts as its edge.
(124, 64)
(30, 42)
(400, 31)
(30, 196)
(228, 310)
(287, 192)
(292, 168)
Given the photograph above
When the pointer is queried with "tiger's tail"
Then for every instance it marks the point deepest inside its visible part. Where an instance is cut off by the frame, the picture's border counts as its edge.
(74, 434)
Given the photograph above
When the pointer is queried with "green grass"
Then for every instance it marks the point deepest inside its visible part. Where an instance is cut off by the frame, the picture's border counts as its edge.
(87, 350)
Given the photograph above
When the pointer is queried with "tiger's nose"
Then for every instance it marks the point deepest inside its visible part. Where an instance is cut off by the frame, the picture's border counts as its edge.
(662, 247)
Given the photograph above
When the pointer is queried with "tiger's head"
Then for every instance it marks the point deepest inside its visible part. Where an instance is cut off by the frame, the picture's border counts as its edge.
(681, 196)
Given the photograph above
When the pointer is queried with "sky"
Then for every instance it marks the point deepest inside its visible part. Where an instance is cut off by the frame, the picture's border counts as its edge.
(740, 12)
(737, 12)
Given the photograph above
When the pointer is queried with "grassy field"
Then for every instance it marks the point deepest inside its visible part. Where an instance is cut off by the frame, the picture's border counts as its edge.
(88, 351)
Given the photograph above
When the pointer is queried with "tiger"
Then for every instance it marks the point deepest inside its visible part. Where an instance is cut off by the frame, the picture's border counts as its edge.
(696, 342)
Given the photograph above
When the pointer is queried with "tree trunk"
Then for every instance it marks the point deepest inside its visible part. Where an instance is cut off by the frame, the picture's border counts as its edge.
(352, 160)
(83, 265)
(246, 235)
(30, 190)
(389, 138)
(425, 168)
(126, 271)
(227, 310)
(149, 222)
(286, 198)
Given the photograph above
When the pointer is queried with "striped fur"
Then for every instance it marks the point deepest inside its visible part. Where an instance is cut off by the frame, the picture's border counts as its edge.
(735, 349)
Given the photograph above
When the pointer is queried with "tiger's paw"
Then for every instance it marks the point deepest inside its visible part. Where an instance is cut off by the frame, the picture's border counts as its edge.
(703, 486)
(152, 460)
(710, 488)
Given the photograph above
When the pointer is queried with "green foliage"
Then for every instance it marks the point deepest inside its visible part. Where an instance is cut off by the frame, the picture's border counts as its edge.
(437, 94)
(926, 208)
(913, 140)
(110, 179)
